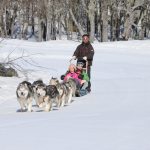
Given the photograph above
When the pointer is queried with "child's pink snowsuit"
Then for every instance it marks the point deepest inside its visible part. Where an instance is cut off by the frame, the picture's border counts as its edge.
(72, 75)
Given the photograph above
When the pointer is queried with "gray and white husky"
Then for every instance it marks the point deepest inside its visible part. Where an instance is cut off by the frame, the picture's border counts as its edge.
(73, 85)
(35, 85)
(64, 89)
(52, 95)
(24, 94)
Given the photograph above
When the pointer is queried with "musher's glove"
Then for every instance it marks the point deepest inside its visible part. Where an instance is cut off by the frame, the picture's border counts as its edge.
(85, 58)
(73, 58)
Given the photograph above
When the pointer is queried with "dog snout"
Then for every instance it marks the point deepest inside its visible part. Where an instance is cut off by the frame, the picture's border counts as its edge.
(22, 93)
(38, 94)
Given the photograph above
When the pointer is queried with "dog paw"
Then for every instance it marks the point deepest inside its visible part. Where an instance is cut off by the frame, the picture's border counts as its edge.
(21, 110)
(30, 110)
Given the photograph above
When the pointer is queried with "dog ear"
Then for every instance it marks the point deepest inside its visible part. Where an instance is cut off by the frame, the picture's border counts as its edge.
(26, 85)
(20, 84)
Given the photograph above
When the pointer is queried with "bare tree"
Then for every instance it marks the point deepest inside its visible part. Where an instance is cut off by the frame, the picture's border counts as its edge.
(131, 7)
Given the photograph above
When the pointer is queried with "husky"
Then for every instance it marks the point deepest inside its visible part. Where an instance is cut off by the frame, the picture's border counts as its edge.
(47, 95)
(35, 85)
(69, 92)
(52, 95)
(73, 85)
(64, 89)
(24, 94)
(39, 93)
(53, 81)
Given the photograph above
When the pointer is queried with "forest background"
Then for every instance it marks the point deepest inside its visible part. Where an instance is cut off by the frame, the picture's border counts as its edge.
(104, 20)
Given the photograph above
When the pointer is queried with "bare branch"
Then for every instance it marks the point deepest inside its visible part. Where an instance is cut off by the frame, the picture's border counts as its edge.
(23, 58)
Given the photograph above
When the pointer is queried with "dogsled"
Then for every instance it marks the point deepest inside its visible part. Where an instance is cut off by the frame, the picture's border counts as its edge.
(78, 71)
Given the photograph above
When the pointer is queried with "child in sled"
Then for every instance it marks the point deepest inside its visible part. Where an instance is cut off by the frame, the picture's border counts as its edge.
(76, 73)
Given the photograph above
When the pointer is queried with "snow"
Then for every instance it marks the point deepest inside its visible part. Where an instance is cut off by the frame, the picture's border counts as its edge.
(114, 116)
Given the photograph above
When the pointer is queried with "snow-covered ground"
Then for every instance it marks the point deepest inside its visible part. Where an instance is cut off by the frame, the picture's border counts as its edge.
(114, 116)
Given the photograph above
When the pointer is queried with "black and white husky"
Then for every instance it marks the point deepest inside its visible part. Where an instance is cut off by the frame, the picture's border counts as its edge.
(24, 94)
(47, 96)
(64, 89)
(52, 95)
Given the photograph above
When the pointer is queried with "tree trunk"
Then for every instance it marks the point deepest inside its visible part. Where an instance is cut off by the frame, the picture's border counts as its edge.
(1, 26)
(104, 6)
(25, 31)
(39, 30)
(59, 27)
(76, 23)
(48, 29)
(91, 14)
(127, 27)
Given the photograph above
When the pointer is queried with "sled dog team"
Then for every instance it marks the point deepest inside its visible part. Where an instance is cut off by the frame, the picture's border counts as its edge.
(45, 96)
